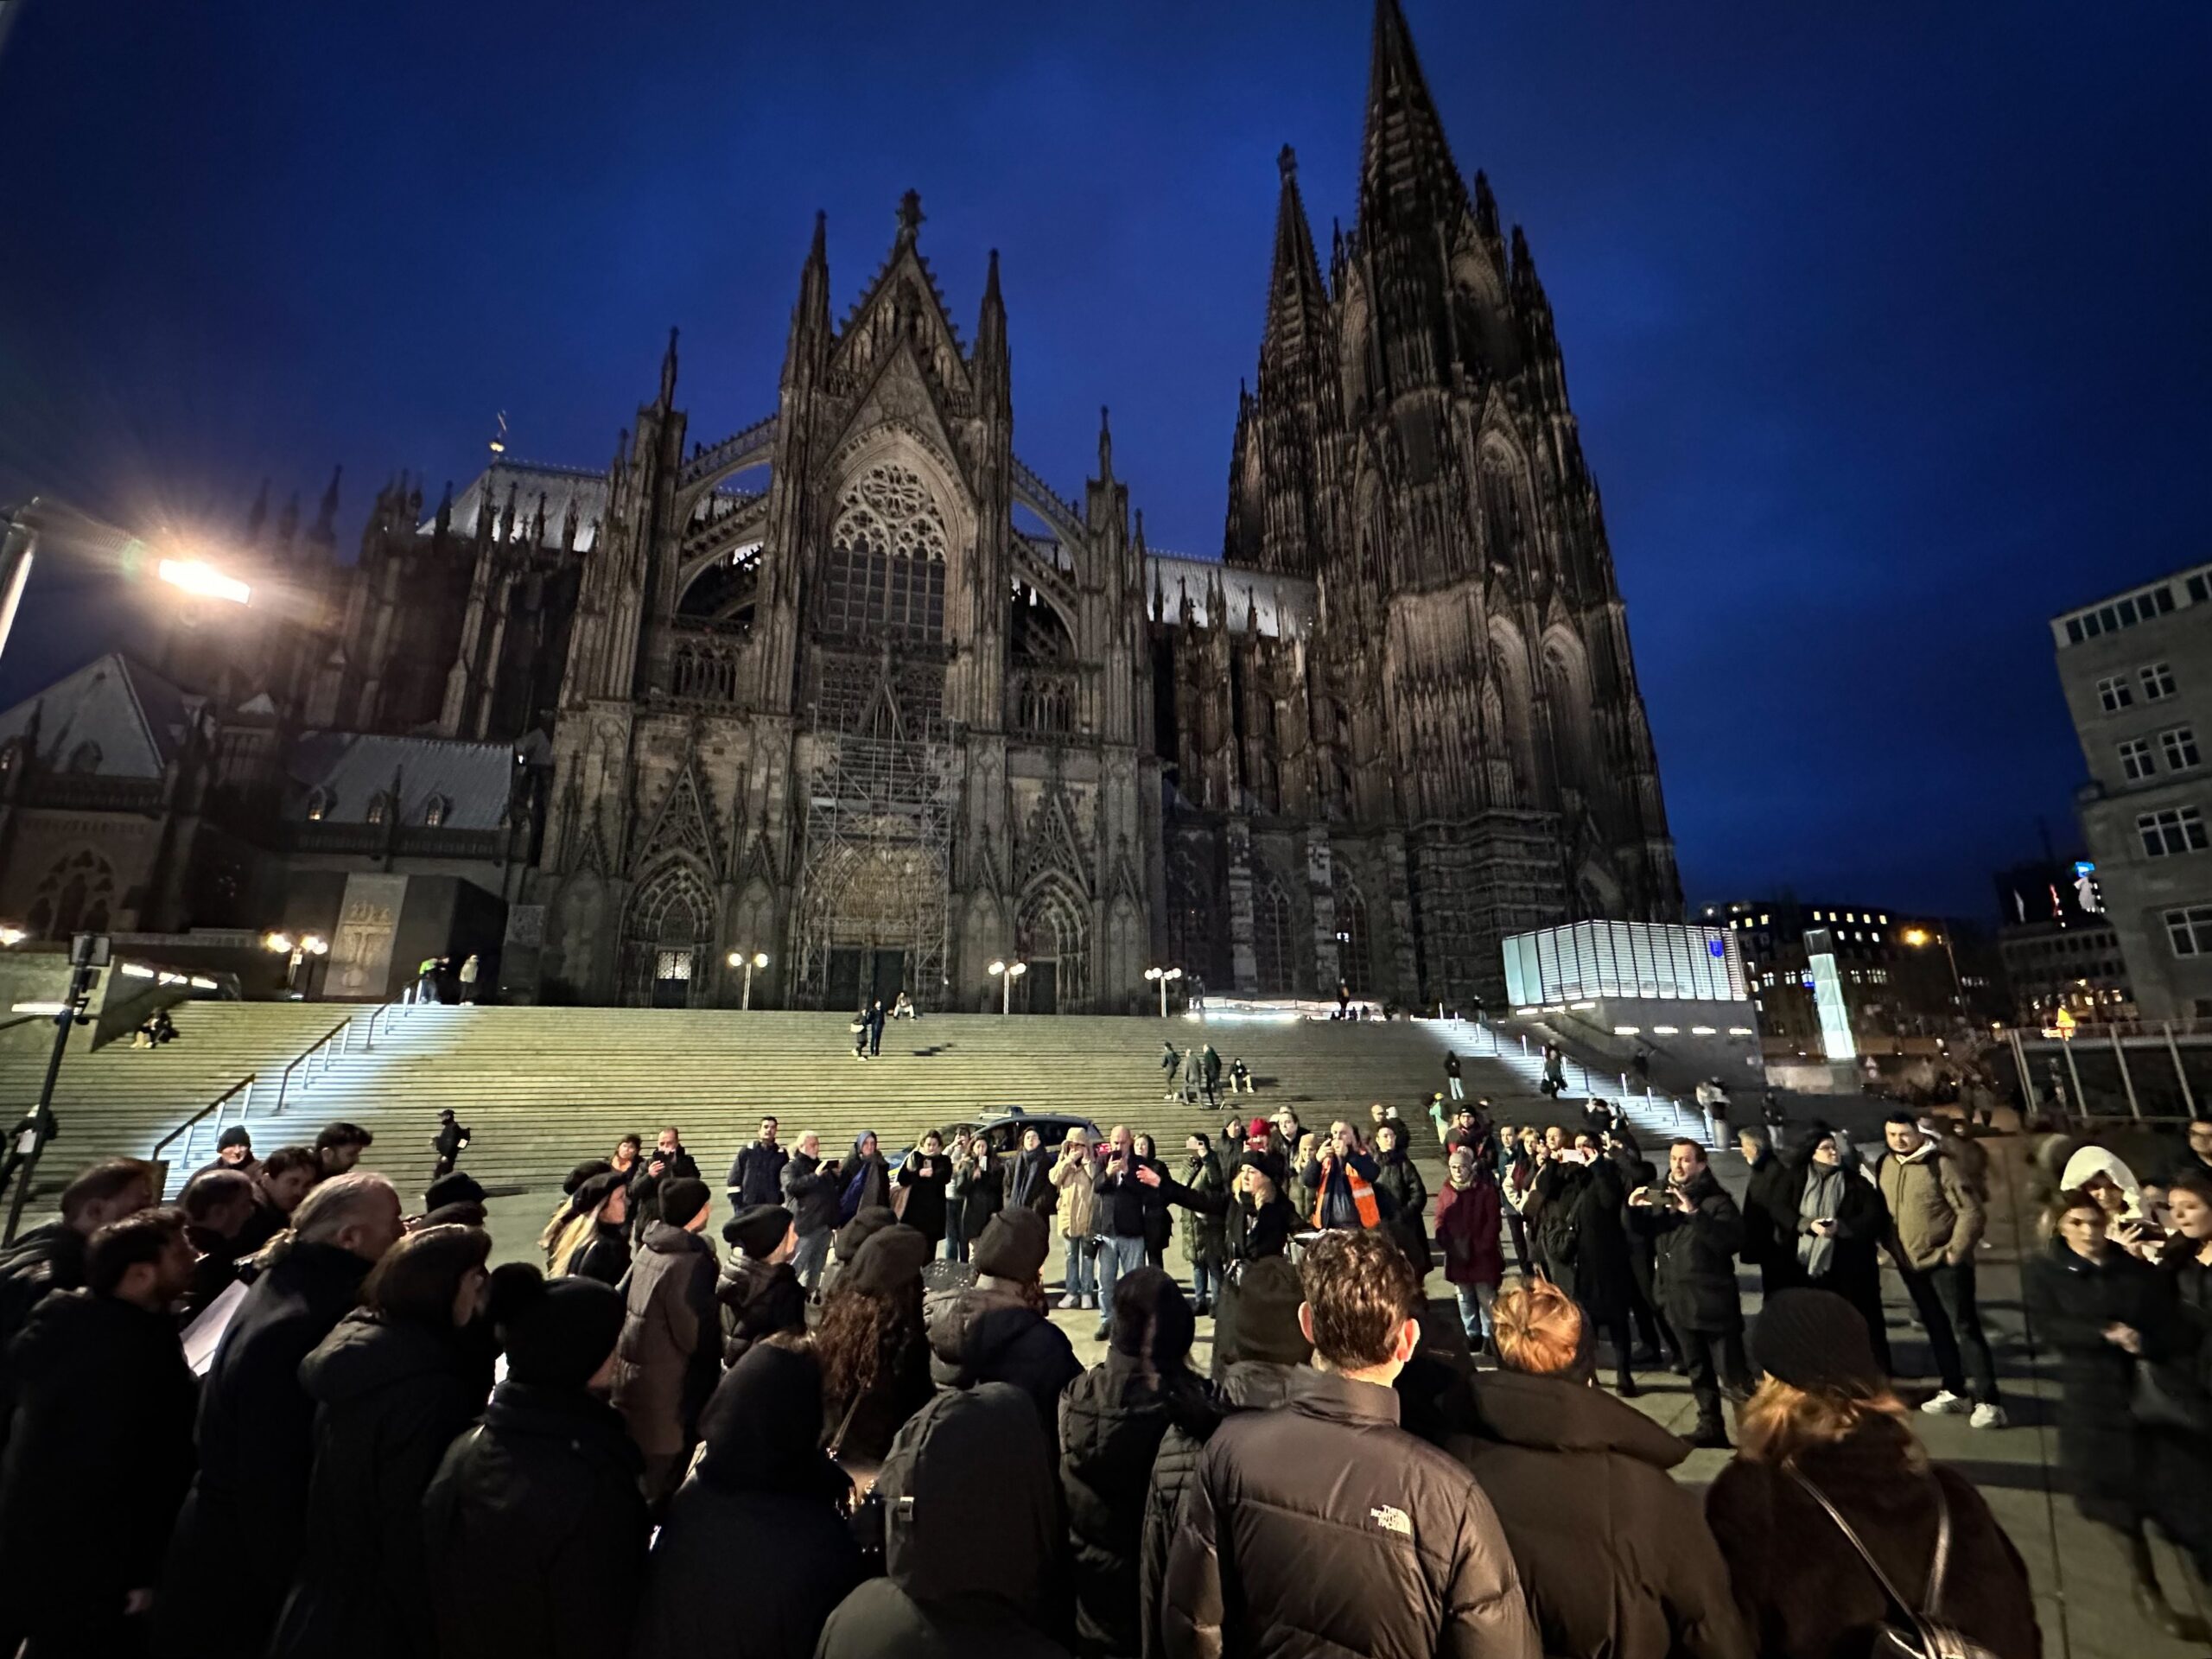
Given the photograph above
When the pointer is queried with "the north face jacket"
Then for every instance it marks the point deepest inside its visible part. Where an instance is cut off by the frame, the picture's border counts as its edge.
(1321, 1528)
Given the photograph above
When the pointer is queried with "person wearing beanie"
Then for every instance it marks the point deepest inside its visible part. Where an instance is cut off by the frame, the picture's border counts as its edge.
(598, 1246)
(1823, 1429)
(534, 1528)
(1614, 1556)
(233, 1150)
(453, 1201)
(1112, 1419)
(890, 1260)
(995, 1330)
(764, 1494)
(670, 1356)
(451, 1140)
(1468, 1211)
(760, 1293)
(1255, 1359)
(560, 1238)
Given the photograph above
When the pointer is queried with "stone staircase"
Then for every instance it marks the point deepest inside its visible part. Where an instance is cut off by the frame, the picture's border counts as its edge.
(545, 1087)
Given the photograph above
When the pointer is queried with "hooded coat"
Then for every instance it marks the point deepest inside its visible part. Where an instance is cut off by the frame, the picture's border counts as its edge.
(94, 1473)
(390, 1396)
(1614, 1556)
(1406, 1204)
(1586, 1240)
(865, 1182)
(1321, 1528)
(535, 1529)
(669, 1355)
(1802, 1590)
(984, 1332)
(605, 1255)
(242, 1522)
(1112, 1419)
(759, 1299)
(762, 1496)
(970, 1539)
(1466, 1227)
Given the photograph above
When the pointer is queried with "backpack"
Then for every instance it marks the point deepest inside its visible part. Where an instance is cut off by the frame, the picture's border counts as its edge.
(1920, 1633)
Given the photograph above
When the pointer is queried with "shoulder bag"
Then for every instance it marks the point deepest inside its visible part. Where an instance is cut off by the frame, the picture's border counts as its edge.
(1910, 1633)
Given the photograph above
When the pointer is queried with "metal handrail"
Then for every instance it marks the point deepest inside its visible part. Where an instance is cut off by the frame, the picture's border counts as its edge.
(189, 1128)
(342, 1031)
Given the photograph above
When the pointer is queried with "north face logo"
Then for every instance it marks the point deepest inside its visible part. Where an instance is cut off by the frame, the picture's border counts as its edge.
(1392, 1520)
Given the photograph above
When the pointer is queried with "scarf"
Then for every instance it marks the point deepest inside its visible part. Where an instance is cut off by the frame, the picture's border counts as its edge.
(1823, 1192)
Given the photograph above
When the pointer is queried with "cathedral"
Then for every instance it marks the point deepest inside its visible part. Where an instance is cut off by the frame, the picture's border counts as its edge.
(855, 689)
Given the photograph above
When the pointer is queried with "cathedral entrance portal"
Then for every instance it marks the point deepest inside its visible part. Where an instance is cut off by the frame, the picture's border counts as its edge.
(666, 935)
(858, 976)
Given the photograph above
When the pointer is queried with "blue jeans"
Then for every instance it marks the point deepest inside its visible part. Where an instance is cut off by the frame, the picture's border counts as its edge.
(1115, 1257)
(1082, 1280)
(1205, 1281)
(807, 1261)
(956, 1247)
(1474, 1311)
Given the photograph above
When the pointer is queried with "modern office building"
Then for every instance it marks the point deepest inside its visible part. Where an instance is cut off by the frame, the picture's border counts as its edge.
(2136, 668)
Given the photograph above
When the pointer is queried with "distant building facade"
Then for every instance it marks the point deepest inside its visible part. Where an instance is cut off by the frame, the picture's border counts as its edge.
(2136, 669)
(855, 687)
(1893, 970)
(2059, 948)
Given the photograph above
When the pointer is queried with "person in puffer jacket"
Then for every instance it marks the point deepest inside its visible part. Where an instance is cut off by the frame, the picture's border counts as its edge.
(1112, 1418)
(995, 1330)
(1258, 1361)
(760, 1293)
(1321, 1527)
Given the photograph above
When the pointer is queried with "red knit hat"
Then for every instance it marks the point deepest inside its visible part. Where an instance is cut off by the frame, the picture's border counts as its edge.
(1258, 1130)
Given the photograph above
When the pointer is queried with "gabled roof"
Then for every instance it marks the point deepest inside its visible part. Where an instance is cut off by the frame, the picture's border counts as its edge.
(351, 769)
(1281, 605)
(134, 720)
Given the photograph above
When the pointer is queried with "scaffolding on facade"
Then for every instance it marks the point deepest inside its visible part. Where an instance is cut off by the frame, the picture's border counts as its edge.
(882, 798)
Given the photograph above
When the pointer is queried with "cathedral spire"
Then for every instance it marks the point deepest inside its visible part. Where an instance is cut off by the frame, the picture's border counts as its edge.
(811, 316)
(1298, 306)
(910, 218)
(995, 373)
(257, 515)
(668, 373)
(1407, 176)
(1105, 447)
(325, 533)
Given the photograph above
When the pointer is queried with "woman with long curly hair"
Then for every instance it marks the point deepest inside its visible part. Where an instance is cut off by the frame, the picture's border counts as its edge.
(1827, 1467)
(873, 1348)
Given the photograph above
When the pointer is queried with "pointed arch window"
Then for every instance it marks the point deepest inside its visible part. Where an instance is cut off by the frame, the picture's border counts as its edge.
(884, 575)
(85, 757)
(1273, 948)
(318, 804)
(1355, 965)
(379, 808)
(435, 810)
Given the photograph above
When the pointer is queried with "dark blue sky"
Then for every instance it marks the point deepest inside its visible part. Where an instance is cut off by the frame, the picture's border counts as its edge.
(1888, 332)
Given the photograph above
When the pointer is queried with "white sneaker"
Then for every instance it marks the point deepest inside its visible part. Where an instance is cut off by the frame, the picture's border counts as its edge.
(1988, 1416)
(1070, 1300)
(1946, 1404)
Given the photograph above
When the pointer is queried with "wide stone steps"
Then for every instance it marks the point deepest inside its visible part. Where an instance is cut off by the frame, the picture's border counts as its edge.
(545, 1087)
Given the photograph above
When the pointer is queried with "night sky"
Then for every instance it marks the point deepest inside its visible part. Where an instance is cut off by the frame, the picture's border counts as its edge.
(1886, 325)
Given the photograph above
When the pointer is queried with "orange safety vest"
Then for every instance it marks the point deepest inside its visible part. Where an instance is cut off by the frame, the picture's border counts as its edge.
(1362, 1198)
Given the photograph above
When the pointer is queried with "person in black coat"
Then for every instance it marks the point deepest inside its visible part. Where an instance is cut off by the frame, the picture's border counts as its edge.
(875, 1349)
(985, 1196)
(101, 1451)
(1587, 1243)
(760, 1293)
(924, 1173)
(2107, 1316)
(756, 1175)
(535, 1527)
(242, 1522)
(1027, 1178)
(1112, 1418)
(1835, 1222)
(1769, 1209)
(1159, 1225)
(218, 1205)
(400, 1377)
(971, 1539)
(669, 1162)
(1405, 1195)
(995, 1330)
(763, 1495)
(606, 1255)
(1697, 1229)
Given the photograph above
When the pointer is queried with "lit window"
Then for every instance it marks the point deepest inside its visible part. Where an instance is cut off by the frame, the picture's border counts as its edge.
(1764, 920)
(2179, 829)
(2113, 694)
(2158, 681)
(1885, 920)
(2179, 743)
(377, 807)
(2135, 759)
(2189, 930)
(435, 810)
(319, 806)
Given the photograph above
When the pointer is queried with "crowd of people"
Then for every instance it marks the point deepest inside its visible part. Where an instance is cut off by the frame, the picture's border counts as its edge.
(283, 1416)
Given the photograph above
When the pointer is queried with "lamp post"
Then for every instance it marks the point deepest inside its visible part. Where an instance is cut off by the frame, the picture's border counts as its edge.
(1006, 973)
(1918, 936)
(1163, 974)
(739, 959)
(88, 954)
(19, 547)
(303, 949)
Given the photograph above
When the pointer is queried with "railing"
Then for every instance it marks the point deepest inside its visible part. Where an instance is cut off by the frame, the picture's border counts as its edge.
(189, 1129)
(703, 666)
(343, 1035)
(1044, 702)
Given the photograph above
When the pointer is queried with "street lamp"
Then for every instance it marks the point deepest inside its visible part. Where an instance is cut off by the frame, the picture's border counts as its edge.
(11, 935)
(738, 959)
(303, 949)
(1163, 974)
(1006, 973)
(1917, 937)
(19, 548)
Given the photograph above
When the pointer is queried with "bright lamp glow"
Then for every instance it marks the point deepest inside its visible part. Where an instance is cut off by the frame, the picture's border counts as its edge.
(39, 1008)
(279, 943)
(316, 945)
(11, 935)
(761, 959)
(1915, 936)
(137, 970)
(195, 576)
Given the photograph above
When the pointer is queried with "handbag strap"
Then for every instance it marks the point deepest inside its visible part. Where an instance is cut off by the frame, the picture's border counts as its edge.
(1937, 1569)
